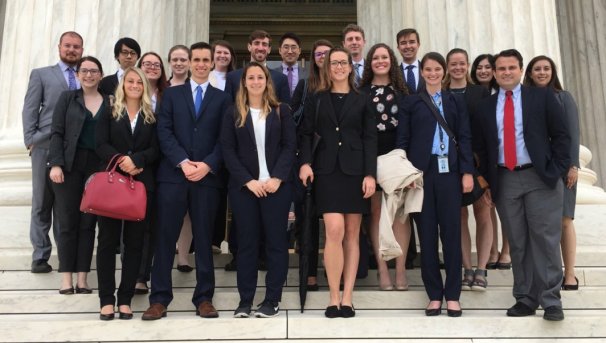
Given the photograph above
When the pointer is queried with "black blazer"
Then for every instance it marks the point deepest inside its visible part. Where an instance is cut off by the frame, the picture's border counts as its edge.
(351, 140)
(417, 127)
(115, 137)
(109, 84)
(280, 81)
(546, 136)
(68, 119)
(240, 149)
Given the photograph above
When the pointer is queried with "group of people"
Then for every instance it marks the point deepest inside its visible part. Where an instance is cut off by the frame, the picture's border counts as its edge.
(258, 137)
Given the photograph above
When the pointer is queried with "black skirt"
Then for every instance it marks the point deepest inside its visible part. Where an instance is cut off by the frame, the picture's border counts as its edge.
(340, 193)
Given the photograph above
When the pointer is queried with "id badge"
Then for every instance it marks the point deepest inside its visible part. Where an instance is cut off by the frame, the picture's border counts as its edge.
(443, 164)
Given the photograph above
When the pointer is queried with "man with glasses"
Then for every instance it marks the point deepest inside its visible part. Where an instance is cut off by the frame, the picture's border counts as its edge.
(126, 52)
(45, 86)
(290, 50)
(259, 46)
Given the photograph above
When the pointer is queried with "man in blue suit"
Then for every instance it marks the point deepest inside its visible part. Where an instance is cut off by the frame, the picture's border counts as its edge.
(259, 46)
(189, 122)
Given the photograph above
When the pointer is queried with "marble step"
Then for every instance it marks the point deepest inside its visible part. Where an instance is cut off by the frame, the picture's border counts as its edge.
(372, 324)
(497, 298)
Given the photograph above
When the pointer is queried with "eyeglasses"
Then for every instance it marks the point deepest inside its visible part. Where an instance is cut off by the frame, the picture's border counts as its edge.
(151, 65)
(319, 54)
(290, 47)
(343, 63)
(89, 71)
(128, 53)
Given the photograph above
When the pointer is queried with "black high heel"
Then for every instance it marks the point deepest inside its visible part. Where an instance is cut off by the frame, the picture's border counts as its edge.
(432, 312)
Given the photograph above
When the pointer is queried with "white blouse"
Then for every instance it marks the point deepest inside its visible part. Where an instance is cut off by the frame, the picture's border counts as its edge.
(259, 128)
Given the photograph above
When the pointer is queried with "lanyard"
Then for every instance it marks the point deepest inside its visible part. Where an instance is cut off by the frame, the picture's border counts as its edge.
(441, 131)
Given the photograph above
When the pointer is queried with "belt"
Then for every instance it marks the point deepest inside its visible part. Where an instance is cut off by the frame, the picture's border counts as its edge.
(520, 167)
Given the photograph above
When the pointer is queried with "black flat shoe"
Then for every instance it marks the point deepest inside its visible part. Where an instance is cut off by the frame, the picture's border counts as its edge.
(83, 290)
(313, 288)
(184, 268)
(106, 316)
(332, 312)
(348, 311)
(124, 315)
(574, 287)
(432, 312)
(67, 291)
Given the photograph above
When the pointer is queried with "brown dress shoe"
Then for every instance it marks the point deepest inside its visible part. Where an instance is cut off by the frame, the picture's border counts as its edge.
(207, 310)
(155, 311)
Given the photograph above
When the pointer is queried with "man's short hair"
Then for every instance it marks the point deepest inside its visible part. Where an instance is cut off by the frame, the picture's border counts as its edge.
(406, 32)
(201, 46)
(509, 53)
(130, 43)
(259, 34)
(70, 33)
(352, 28)
(290, 35)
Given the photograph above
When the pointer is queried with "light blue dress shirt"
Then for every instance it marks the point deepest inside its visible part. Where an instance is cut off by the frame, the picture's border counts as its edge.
(521, 151)
(64, 67)
(435, 147)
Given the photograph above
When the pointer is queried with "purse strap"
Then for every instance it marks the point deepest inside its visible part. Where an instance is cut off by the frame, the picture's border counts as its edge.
(425, 97)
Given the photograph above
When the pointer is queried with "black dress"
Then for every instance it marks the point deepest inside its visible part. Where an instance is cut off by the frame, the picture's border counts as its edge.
(338, 192)
(385, 103)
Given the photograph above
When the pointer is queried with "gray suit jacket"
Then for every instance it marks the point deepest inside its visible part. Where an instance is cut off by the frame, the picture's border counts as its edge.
(303, 72)
(45, 86)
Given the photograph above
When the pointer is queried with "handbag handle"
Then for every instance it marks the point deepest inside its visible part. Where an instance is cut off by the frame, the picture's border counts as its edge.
(111, 169)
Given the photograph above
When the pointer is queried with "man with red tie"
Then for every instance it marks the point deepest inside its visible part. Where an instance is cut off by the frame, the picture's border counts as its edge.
(524, 150)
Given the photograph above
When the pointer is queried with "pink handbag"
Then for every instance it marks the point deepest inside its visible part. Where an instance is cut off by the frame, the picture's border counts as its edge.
(111, 194)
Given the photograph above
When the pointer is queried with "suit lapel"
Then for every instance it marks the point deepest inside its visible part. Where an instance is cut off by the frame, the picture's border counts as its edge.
(250, 127)
(59, 75)
(268, 121)
(207, 97)
(189, 100)
(349, 101)
(492, 119)
(326, 98)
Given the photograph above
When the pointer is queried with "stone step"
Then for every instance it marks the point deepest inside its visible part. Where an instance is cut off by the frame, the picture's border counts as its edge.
(226, 299)
(373, 324)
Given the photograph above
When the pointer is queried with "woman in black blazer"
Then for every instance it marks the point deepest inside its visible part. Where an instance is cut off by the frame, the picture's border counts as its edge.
(258, 139)
(459, 82)
(343, 169)
(382, 80)
(72, 159)
(129, 129)
(447, 165)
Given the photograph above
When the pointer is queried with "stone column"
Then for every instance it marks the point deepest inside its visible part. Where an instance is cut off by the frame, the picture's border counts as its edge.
(582, 26)
(478, 26)
(30, 38)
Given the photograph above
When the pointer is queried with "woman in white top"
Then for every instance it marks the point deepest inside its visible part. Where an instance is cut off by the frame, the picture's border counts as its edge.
(258, 139)
(224, 58)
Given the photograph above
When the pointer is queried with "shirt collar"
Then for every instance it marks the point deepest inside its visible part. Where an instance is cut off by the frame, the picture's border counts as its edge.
(193, 85)
(516, 91)
(120, 73)
(415, 64)
(64, 66)
(294, 66)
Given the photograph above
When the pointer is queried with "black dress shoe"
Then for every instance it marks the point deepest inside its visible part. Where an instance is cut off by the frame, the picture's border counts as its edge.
(184, 268)
(553, 313)
(332, 312)
(348, 311)
(520, 310)
(41, 266)
(67, 291)
(125, 316)
(106, 316)
(83, 290)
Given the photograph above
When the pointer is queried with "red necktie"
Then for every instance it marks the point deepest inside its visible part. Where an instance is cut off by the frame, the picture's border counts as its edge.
(509, 133)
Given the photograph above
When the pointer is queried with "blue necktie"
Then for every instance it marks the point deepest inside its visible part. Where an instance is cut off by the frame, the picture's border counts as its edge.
(410, 79)
(198, 102)
(71, 79)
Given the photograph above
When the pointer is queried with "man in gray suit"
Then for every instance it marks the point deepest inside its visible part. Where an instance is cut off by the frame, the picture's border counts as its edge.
(290, 50)
(45, 86)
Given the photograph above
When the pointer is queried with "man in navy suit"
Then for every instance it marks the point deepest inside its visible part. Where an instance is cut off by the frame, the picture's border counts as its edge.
(524, 150)
(259, 46)
(189, 179)
(354, 41)
(408, 44)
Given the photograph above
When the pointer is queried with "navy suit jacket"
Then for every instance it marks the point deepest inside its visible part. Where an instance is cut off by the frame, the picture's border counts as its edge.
(182, 136)
(546, 136)
(417, 127)
(240, 149)
(280, 81)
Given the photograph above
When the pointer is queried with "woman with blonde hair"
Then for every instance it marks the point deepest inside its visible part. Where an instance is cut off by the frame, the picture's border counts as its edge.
(128, 130)
(258, 139)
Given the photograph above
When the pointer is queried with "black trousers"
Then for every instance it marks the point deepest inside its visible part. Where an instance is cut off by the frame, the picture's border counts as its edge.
(77, 229)
(261, 218)
(110, 231)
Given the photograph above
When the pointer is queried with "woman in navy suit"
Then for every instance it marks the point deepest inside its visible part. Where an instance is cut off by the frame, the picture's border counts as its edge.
(258, 139)
(129, 129)
(447, 165)
(344, 166)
